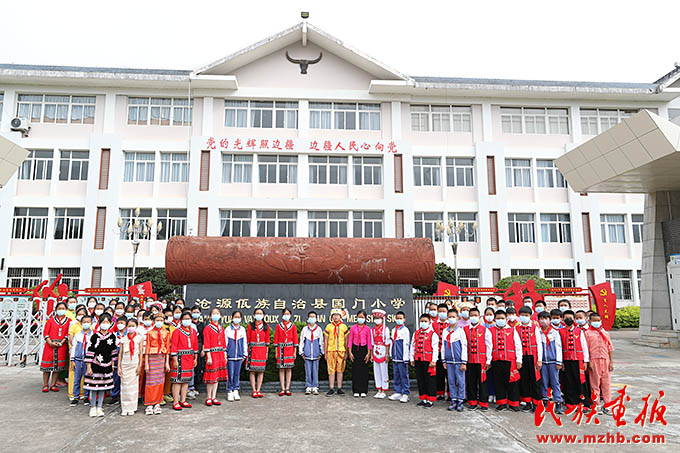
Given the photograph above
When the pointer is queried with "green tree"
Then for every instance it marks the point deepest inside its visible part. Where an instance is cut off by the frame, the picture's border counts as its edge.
(160, 283)
(505, 283)
(442, 273)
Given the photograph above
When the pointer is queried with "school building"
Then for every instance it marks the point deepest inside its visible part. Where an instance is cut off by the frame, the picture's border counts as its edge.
(303, 135)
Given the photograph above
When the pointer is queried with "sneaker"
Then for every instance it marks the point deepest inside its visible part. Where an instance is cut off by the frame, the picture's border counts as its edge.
(558, 409)
(363, 395)
(459, 406)
(428, 404)
(100, 412)
(440, 398)
(191, 394)
(606, 411)
(168, 399)
(74, 402)
(501, 407)
(330, 392)
(515, 408)
(308, 391)
(471, 407)
(315, 391)
(481, 408)
(93, 412)
(340, 392)
(394, 397)
(230, 396)
(380, 395)
(356, 395)
(422, 403)
(527, 407)
(452, 407)
(149, 410)
(86, 401)
(237, 397)
(157, 409)
(403, 399)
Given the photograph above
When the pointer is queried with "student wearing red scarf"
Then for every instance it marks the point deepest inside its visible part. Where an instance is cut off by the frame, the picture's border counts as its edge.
(129, 367)
(600, 350)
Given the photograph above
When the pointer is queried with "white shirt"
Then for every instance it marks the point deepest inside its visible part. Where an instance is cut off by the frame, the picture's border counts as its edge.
(435, 344)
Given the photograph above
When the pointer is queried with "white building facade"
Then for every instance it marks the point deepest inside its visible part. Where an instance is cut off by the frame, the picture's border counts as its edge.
(249, 146)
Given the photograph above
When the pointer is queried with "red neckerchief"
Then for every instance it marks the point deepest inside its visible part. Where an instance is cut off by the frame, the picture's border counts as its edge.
(547, 338)
(396, 331)
(336, 333)
(131, 337)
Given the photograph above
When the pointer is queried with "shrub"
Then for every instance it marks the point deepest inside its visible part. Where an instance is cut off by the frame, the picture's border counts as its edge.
(506, 282)
(627, 317)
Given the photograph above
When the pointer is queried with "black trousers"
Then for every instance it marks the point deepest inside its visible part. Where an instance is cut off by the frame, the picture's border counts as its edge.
(572, 388)
(477, 392)
(441, 379)
(529, 387)
(359, 369)
(506, 392)
(427, 384)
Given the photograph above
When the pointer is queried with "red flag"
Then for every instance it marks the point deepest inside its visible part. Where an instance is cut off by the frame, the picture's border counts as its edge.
(446, 289)
(141, 291)
(605, 301)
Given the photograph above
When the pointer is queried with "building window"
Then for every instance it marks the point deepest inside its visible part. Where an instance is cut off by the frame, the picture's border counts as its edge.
(613, 228)
(235, 223)
(160, 111)
(548, 174)
(367, 170)
(327, 170)
(596, 121)
(174, 167)
(24, 277)
(29, 223)
(672, 113)
(40, 108)
(621, 283)
(560, 278)
(531, 120)
(237, 168)
(521, 227)
(174, 223)
(280, 224)
(555, 228)
(73, 165)
(126, 216)
(139, 167)
(70, 276)
(343, 115)
(425, 225)
(518, 172)
(468, 220)
(459, 171)
(37, 166)
(367, 224)
(427, 171)
(68, 223)
(325, 224)
(468, 278)
(521, 272)
(262, 114)
(637, 221)
(124, 276)
(441, 118)
(277, 169)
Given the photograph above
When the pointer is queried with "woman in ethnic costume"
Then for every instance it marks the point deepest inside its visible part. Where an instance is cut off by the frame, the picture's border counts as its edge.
(258, 349)
(55, 351)
(184, 351)
(285, 342)
(99, 359)
(214, 347)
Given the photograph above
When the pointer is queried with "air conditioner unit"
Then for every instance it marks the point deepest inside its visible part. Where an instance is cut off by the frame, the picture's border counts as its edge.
(20, 124)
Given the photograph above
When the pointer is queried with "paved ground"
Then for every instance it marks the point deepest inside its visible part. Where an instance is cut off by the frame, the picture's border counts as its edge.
(32, 421)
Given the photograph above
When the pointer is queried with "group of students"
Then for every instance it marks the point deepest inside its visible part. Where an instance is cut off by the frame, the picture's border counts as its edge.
(157, 355)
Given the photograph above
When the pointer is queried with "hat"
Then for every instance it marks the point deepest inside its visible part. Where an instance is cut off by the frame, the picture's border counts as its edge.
(336, 311)
(464, 305)
(378, 313)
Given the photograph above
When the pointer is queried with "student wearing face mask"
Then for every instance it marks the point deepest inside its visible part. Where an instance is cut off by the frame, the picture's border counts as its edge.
(237, 352)
(359, 345)
(556, 318)
(183, 353)
(74, 327)
(400, 351)
(335, 341)
(380, 338)
(198, 326)
(564, 305)
(214, 343)
(439, 325)
(55, 351)
(130, 312)
(98, 311)
(78, 366)
(552, 361)
(120, 332)
(477, 376)
(424, 355)
(506, 361)
(488, 322)
(464, 314)
(129, 367)
(177, 311)
(581, 320)
(532, 357)
(454, 354)
(311, 348)
(257, 335)
(99, 358)
(91, 304)
(118, 312)
(285, 343)
(600, 351)
(71, 307)
(490, 303)
(171, 323)
(511, 317)
(156, 365)
(575, 359)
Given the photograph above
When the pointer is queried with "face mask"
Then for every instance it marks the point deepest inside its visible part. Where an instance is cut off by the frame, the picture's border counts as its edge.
(544, 322)
(236, 321)
(528, 304)
(524, 319)
(164, 305)
(71, 306)
(259, 317)
(186, 322)
(105, 326)
(399, 322)
(563, 309)
(176, 315)
(540, 309)
(512, 318)
(86, 326)
(569, 321)
(286, 317)
(215, 317)
(596, 324)
(158, 324)
(489, 318)
(168, 319)
(465, 314)
(433, 313)
(129, 315)
(147, 322)
(442, 316)
(61, 312)
(424, 325)
(195, 315)
(501, 309)
(501, 323)
(493, 307)
(361, 320)
(474, 319)
(452, 321)
(98, 312)
(120, 312)
(121, 327)
(555, 322)
(91, 305)
(180, 306)
(580, 322)
(79, 317)
(378, 321)
(311, 320)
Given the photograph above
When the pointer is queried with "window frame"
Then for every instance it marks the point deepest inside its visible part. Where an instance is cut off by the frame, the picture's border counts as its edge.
(535, 120)
(261, 114)
(328, 169)
(620, 281)
(592, 117)
(31, 224)
(451, 115)
(227, 219)
(174, 170)
(557, 227)
(456, 170)
(363, 221)
(283, 164)
(327, 224)
(149, 166)
(68, 107)
(38, 163)
(426, 227)
(609, 225)
(173, 106)
(68, 225)
(427, 173)
(521, 231)
(365, 167)
(513, 170)
(336, 115)
(276, 219)
(469, 232)
(174, 223)
(233, 161)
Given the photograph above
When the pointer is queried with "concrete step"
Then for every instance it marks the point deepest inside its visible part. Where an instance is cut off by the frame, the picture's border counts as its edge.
(664, 333)
(653, 343)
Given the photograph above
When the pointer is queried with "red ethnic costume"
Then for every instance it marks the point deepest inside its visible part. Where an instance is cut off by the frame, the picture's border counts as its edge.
(55, 359)
(214, 344)
(184, 347)
(424, 351)
(507, 351)
(530, 386)
(257, 335)
(285, 341)
(480, 346)
(574, 355)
